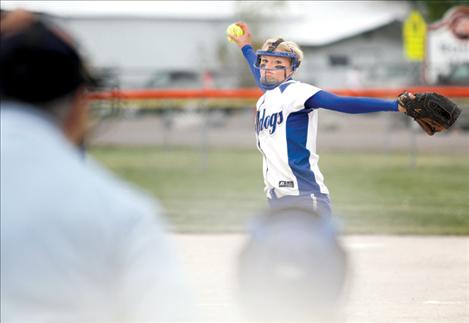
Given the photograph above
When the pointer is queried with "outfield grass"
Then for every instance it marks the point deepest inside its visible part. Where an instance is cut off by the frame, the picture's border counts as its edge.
(371, 193)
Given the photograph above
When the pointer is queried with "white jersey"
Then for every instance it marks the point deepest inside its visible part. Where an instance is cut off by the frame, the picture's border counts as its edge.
(286, 136)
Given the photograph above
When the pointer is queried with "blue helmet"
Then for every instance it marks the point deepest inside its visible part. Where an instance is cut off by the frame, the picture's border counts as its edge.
(295, 63)
(293, 266)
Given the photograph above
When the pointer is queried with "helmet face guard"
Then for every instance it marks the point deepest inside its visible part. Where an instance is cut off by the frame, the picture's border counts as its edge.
(271, 52)
(291, 56)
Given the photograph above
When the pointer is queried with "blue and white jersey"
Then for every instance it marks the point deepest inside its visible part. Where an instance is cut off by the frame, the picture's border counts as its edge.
(286, 131)
(286, 134)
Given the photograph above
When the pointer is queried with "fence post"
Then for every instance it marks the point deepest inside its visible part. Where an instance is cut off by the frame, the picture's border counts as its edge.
(204, 136)
(413, 127)
(167, 125)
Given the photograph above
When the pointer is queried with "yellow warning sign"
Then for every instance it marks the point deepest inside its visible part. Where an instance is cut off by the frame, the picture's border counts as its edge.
(414, 32)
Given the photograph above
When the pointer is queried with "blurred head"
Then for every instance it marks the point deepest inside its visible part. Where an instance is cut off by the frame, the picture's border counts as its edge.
(278, 60)
(41, 66)
(294, 268)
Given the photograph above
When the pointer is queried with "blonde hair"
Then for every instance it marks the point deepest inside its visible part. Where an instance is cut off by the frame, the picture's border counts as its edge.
(285, 46)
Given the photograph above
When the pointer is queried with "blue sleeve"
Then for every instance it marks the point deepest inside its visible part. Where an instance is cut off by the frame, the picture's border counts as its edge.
(348, 104)
(250, 57)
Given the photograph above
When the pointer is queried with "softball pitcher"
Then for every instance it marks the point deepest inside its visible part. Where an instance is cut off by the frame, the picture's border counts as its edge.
(287, 122)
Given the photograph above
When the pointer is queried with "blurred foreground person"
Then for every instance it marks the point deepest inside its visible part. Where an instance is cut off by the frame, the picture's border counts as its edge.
(293, 268)
(77, 243)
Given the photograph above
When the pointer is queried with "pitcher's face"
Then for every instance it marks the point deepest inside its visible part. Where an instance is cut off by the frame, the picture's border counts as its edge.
(275, 69)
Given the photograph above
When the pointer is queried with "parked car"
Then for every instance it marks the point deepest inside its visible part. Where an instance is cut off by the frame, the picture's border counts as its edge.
(458, 75)
(186, 79)
(174, 80)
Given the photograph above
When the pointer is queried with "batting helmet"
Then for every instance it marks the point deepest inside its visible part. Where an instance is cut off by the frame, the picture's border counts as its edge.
(294, 268)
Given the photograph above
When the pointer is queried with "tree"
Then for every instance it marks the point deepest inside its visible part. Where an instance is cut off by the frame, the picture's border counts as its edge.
(435, 10)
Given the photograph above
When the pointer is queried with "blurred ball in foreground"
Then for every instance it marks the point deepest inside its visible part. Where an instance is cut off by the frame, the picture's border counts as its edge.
(292, 268)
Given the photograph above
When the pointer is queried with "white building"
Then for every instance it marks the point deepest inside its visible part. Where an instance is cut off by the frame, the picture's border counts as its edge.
(346, 43)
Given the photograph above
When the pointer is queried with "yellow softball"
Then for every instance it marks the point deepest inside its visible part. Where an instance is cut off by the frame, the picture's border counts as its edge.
(234, 30)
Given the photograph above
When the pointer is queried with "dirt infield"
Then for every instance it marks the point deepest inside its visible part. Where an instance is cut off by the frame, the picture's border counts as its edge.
(391, 278)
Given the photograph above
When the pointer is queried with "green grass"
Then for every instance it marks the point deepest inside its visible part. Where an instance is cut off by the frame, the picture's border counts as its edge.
(371, 193)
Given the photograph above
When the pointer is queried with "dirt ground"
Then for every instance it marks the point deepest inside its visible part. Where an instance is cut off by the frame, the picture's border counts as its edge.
(390, 279)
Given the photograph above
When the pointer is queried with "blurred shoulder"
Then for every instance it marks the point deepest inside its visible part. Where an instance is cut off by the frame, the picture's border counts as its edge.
(111, 203)
(109, 184)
